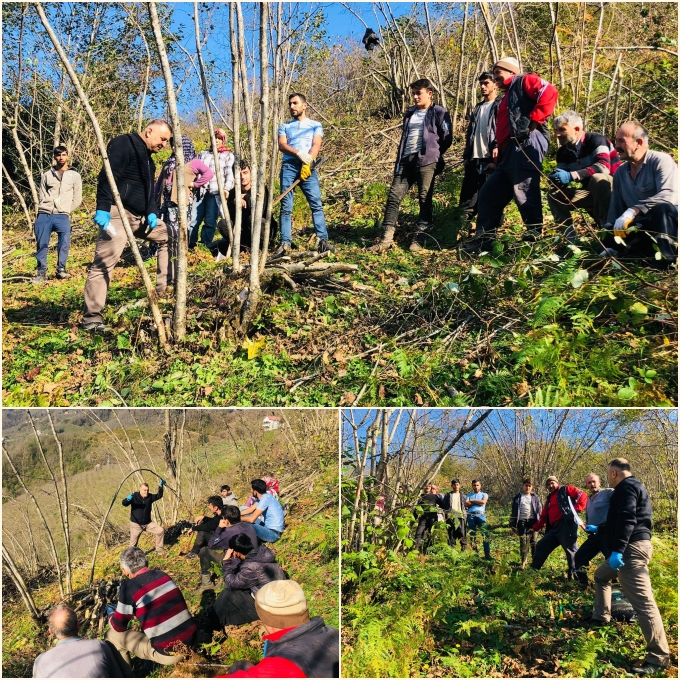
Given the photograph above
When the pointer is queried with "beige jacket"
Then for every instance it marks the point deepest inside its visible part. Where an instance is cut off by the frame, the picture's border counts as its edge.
(60, 196)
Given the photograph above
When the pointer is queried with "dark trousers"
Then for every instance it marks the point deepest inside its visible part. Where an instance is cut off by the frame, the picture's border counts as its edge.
(473, 181)
(209, 557)
(425, 523)
(43, 228)
(411, 173)
(594, 544)
(556, 536)
(517, 175)
(661, 222)
(202, 538)
(235, 607)
(527, 538)
(457, 531)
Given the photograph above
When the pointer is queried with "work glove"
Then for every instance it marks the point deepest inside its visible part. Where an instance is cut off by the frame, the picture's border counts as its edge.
(152, 220)
(306, 158)
(616, 561)
(591, 528)
(129, 498)
(162, 482)
(306, 172)
(102, 219)
(623, 222)
(561, 176)
(110, 609)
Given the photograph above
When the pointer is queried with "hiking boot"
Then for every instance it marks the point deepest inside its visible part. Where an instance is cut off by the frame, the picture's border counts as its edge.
(477, 245)
(283, 249)
(191, 556)
(385, 243)
(324, 246)
(415, 246)
(95, 326)
(648, 668)
(597, 623)
(206, 583)
(40, 277)
(62, 274)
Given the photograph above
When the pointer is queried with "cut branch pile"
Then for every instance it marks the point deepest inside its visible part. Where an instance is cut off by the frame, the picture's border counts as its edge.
(304, 267)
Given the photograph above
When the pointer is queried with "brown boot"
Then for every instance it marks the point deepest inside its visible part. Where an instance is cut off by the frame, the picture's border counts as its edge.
(386, 243)
(206, 583)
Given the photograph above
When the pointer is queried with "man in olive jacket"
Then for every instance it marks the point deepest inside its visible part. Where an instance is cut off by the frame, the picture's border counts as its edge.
(628, 535)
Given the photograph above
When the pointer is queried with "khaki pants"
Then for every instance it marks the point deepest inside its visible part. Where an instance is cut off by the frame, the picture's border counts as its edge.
(106, 255)
(137, 643)
(153, 528)
(595, 199)
(636, 586)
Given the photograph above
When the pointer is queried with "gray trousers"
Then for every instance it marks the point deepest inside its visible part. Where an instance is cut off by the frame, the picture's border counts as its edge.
(106, 255)
(137, 643)
(517, 175)
(595, 199)
(136, 531)
(636, 586)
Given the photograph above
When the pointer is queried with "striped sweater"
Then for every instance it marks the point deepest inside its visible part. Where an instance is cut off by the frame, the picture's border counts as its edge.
(591, 154)
(159, 606)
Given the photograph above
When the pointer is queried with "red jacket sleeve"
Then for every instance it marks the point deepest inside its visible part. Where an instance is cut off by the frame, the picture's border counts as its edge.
(579, 497)
(542, 519)
(271, 667)
(544, 93)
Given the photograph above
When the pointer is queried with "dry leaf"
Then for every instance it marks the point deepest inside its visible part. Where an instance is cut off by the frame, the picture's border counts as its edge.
(381, 391)
(478, 373)
(253, 347)
(347, 398)
(418, 400)
(48, 388)
(207, 390)
(338, 356)
(342, 372)
(325, 359)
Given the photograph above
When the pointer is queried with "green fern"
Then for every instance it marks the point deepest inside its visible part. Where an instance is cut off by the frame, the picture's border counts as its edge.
(546, 310)
(583, 660)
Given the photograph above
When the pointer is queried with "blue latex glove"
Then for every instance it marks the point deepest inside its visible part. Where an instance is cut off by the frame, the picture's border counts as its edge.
(591, 528)
(162, 482)
(561, 176)
(110, 609)
(616, 561)
(102, 219)
(152, 220)
(129, 497)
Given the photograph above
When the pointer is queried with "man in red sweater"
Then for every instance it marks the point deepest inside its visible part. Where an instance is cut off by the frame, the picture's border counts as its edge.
(560, 516)
(522, 139)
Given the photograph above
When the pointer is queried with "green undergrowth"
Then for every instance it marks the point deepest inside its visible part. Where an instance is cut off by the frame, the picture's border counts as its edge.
(452, 614)
(519, 326)
(308, 551)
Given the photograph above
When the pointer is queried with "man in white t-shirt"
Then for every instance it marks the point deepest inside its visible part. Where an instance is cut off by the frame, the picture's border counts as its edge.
(479, 141)
(454, 504)
(300, 141)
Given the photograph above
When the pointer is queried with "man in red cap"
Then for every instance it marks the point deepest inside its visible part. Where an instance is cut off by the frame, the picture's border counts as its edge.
(522, 139)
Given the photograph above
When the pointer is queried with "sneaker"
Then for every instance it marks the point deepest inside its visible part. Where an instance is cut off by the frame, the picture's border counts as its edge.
(324, 246)
(63, 274)
(648, 669)
(282, 250)
(96, 326)
(40, 277)
(161, 551)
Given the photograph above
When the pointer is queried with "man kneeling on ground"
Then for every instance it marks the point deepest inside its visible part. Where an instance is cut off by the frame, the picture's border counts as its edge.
(73, 656)
(205, 526)
(230, 525)
(245, 570)
(152, 596)
(295, 645)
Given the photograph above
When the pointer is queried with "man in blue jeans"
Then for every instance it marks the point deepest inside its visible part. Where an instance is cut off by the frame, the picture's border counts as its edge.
(300, 142)
(476, 516)
(268, 509)
(61, 192)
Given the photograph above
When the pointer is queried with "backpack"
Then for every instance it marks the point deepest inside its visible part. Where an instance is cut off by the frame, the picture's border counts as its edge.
(621, 608)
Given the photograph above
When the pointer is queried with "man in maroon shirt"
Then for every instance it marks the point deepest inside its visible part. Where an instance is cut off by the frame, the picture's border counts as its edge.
(560, 516)
(522, 139)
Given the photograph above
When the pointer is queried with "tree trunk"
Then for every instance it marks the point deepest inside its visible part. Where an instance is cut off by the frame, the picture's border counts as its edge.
(460, 69)
(556, 40)
(153, 303)
(486, 15)
(21, 587)
(592, 68)
(440, 82)
(20, 198)
(236, 96)
(609, 94)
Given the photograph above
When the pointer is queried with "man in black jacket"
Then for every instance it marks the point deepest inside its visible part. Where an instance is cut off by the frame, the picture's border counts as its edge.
(629, 533)
(480, 139)
(425, 137)
(133, 169)
(140, 515)
(526, 509)
(205, 526)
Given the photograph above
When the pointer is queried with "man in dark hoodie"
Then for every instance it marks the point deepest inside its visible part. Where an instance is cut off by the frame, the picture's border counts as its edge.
(133, 169)
(628, 535)
(229, 526)
(205, 526)
(140, 514)
(295, 645)
(245, 569)
(560, 516)
(425, 137)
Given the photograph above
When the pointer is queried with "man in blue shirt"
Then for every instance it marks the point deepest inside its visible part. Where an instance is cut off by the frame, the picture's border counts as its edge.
(476, 516)
(300, 142)
(269, 509)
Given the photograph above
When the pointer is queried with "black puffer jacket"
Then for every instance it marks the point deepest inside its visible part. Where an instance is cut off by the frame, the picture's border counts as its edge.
(258, 569)
(140, 512)
(630, 515)
(313, 646)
